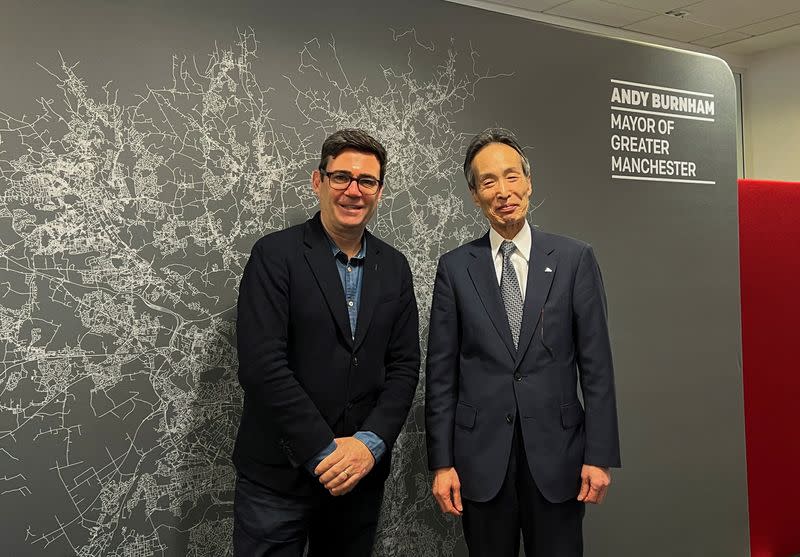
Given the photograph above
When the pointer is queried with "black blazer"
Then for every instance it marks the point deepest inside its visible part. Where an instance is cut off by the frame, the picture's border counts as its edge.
(305, 379)
(478, 384)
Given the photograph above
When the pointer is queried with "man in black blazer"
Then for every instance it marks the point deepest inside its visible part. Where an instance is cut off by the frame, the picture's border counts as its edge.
(328, 345)
(518, 321)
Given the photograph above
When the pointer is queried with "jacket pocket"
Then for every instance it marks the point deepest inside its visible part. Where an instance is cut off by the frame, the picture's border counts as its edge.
(465, 415)
(571, 415)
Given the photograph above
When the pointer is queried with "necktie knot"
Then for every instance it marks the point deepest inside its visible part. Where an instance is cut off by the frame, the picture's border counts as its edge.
(507, 247)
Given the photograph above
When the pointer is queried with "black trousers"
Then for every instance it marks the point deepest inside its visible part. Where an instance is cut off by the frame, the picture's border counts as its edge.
(271, 524)
(491, 529)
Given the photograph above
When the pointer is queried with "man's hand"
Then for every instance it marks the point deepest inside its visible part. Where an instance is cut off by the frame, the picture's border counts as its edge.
(341, 470)
(447, 491)
(594, 483)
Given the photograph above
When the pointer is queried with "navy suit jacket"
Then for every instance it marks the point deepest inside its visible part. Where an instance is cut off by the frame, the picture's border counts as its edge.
(478, 385)
(305, 378)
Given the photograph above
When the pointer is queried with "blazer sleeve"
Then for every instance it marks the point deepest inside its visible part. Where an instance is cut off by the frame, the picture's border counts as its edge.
(401, 365)
(262, 328)
(441, 379)
(595, 367)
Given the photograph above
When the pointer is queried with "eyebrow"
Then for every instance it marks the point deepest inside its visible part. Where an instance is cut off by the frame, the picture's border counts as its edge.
(505, 172)
(366, 175)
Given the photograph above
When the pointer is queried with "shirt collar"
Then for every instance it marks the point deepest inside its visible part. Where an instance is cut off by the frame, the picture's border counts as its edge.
(522, 241)
(336, 251)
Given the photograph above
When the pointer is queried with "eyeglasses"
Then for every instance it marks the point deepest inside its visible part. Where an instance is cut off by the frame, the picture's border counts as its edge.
(341, 180)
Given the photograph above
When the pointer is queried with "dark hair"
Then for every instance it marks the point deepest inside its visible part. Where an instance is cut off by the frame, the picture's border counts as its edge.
(357, 140)
(487, 136)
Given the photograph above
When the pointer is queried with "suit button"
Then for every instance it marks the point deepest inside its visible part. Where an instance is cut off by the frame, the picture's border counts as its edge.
(355, 361)
(349, 405)
(509, 418)
(518, 376)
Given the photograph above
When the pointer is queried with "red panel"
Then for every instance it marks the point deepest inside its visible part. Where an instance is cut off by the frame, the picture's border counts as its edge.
(769, 245)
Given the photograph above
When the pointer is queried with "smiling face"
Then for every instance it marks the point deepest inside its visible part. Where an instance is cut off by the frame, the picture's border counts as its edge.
(345, 212)
(501, 189)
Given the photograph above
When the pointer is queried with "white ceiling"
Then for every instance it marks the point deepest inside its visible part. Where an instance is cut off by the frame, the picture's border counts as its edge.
(734, 27)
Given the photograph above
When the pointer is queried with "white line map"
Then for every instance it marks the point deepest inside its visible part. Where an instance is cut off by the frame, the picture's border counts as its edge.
(124, 229)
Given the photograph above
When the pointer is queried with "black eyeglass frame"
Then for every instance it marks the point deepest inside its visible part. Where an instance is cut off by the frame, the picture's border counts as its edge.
(357, 179)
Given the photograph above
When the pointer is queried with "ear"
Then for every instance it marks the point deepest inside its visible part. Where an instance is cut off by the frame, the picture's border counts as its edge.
(475, 199)
(316, 181)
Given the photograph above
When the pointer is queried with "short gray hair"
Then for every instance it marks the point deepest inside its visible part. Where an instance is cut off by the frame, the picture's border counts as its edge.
(487, 136)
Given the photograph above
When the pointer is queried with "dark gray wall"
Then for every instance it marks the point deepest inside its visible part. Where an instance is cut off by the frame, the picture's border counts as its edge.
(145, 146)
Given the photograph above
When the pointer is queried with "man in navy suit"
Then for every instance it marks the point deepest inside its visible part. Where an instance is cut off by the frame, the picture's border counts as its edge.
(328, 346)
(518, 321)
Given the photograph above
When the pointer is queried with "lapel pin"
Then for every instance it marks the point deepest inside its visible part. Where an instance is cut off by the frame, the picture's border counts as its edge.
(548, 270)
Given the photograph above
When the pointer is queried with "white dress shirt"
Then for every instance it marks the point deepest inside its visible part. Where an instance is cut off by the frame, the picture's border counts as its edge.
(520, 257)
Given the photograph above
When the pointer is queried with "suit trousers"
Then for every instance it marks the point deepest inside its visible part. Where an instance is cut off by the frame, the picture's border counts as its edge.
(271, 524)
(492, 528)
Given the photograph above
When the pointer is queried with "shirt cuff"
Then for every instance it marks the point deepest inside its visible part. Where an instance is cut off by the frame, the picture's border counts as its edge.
(314, 461)
(374, 443)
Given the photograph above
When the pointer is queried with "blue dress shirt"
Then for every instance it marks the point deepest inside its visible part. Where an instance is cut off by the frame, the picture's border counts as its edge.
(351, 273)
